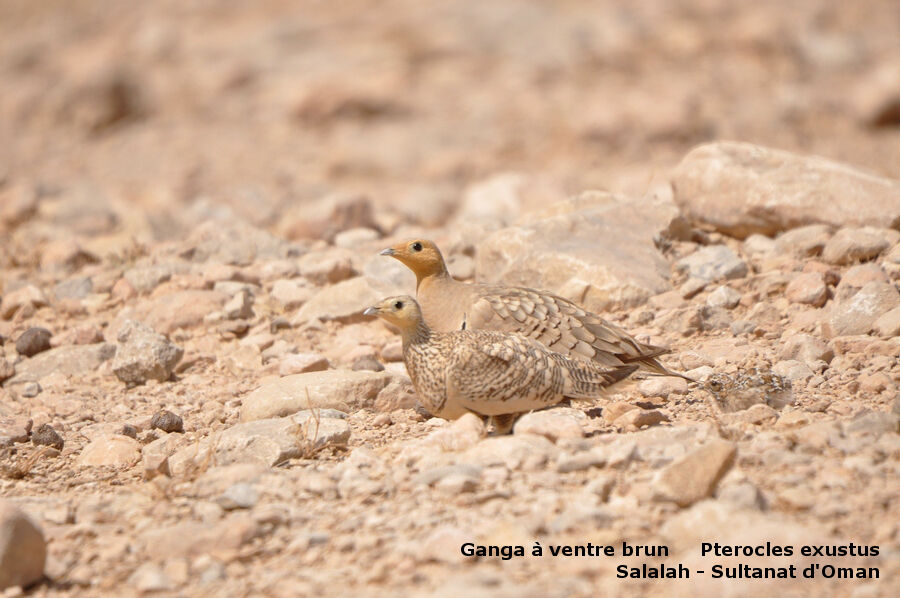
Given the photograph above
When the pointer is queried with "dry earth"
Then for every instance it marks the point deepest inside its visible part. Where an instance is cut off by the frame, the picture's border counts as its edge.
(192, 199)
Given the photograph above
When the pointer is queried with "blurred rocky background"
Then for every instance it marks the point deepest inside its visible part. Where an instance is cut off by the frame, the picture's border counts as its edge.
(192, 198)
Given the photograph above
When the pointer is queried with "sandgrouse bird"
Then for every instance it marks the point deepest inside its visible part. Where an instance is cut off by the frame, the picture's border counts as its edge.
(557, 323)
(496, 374)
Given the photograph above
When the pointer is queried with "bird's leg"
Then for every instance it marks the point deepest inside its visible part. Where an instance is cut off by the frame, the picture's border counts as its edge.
(503, 423)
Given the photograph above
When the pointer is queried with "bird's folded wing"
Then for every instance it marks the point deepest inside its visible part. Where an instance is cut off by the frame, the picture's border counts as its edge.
(556, 323)
(497, 368)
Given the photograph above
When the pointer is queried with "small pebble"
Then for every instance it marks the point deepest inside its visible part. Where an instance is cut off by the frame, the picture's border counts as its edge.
(167, 422)
(33, 341)
(45, 435)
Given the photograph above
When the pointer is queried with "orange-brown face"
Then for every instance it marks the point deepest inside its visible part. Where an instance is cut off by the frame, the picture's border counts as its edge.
(420, 256)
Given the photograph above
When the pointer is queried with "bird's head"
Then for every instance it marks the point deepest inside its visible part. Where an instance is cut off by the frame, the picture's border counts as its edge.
(401, 311)
(419, 255)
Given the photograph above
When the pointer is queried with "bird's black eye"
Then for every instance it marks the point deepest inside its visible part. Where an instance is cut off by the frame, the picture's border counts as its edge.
(398, 305)
(417, 246)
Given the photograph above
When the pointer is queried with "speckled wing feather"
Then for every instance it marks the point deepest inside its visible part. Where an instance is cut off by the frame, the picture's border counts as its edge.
(494, 373)
(559, 325)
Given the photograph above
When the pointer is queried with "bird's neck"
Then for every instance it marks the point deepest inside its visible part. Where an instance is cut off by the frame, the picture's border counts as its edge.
(415, 334)
(425, 280)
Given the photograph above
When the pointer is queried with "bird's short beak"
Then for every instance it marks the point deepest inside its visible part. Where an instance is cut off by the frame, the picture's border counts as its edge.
(388, 251)
(370, 311)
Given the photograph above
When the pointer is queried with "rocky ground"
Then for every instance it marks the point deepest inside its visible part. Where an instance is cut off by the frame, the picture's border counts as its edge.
(192, 201)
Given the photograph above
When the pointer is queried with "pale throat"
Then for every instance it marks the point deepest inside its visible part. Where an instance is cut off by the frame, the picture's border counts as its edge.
(414, 333)
(430, 276)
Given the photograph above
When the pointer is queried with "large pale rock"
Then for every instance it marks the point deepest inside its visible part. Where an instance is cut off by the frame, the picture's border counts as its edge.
(68, 360)
(888, 323)
(519, 451)
(553, 424)
(265, 441)
(188, 539)
(326, 217)
(332, 389)
(233, 242)
(694, 476)
(714, 262)
(741, 189)
(23, 550)
(181, 309)
(14, 429)
(857, 314)
(804, 241)
(271, 441)
(291, 294)
(114, 450)
(7, 370)
(328, 266)
(146, 278)
(807, 288)
(805, 348)
(344, 301)
(15, 300)
(851, 245)
(596, 249)
(144, 355)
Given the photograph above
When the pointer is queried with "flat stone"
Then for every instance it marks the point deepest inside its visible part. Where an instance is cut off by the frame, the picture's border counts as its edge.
(757, 245)
(327, 267)
(856, 277)
(155, 455)
(7, 370)
(112, 450)
(888, 323)
(793, 370)
(301, 363)
(713, 262)
(266, 441)
(69, 360)
(641, 417)
(13, 301)
(190, 539)
(581, 461)
(724, 296)
(238, 496)
(806, 348)
(851, 245)
(149, 577)
(14, 429)
(515, 452)
(694, 476)
(333, 389)
(808, 289)
(857, 314)
(805, 241)
(144, 279)
(78, 287)
(663, 386)
(344, 302)
(549, 424)
(291, 294)
(180, 309)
